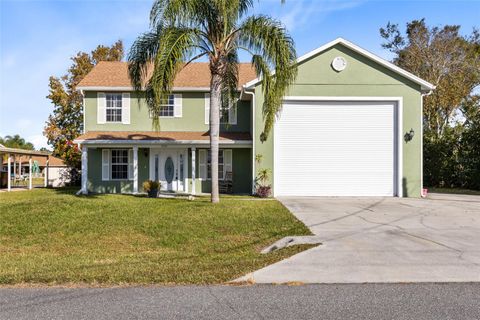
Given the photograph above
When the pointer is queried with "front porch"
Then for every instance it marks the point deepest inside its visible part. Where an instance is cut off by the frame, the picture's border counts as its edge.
(180, 166)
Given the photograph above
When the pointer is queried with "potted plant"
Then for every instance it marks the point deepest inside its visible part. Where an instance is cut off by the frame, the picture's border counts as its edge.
(151, 188)
(263, 190)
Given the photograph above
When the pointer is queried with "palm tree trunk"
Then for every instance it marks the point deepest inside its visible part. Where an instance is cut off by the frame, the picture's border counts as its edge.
(215, 101)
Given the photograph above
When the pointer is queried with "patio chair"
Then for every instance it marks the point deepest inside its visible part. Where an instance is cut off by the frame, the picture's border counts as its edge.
(226, 185)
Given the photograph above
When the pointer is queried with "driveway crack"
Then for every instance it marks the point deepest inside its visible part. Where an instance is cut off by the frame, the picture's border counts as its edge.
(389, 224)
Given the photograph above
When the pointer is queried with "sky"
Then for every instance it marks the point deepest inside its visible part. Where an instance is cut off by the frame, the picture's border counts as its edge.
(38, 37)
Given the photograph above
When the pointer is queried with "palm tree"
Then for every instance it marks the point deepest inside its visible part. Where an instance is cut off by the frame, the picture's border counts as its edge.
(185, 30)
(16, 141)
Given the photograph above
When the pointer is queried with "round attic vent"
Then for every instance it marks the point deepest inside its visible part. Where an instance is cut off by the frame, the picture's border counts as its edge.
(339, 64)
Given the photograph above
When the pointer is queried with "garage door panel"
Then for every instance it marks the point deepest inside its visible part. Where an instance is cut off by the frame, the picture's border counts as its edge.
(335, 149)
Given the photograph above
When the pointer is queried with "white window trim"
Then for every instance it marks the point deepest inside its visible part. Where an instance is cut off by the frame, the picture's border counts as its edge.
(207, 108)
(128, 165)
(232, 112)
(101, 108)
(121, 107)
(168, 105)
(105, 164)
(225, 164)
(126, 107)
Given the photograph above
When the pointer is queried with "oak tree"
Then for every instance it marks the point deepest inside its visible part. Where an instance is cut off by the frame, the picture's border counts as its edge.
(66, 121)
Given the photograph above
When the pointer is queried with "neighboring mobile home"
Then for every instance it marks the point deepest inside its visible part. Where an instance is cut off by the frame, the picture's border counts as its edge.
(351, 125)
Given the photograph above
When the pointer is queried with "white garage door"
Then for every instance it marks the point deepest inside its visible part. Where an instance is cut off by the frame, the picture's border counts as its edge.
(335, 149)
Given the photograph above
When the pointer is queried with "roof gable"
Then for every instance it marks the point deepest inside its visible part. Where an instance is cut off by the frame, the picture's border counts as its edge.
(424, 85)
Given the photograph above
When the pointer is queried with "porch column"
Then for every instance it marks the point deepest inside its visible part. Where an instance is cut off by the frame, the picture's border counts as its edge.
(45, 174)
(84, 189)
(20, 167)
(30, 161)
(135, 169)
(193, 170)
(9, 172)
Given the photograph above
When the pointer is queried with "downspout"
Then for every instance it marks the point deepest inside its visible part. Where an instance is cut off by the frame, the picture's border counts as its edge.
(83, 109)
(79, 192)
(253, 135)
(83, 129)
(423, 94)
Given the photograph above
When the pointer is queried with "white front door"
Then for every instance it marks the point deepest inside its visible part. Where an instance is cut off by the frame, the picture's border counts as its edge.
(169, 167)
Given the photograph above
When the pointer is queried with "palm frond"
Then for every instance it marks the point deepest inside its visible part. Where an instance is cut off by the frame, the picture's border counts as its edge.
(142, 53)
(274, 49)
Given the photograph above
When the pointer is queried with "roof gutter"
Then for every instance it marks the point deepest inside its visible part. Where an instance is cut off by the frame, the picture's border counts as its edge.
(159, 142)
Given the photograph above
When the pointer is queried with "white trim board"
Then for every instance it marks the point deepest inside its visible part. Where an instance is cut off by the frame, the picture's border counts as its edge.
(398, 135)
(113, 88)
(161, 142)
(425, 86)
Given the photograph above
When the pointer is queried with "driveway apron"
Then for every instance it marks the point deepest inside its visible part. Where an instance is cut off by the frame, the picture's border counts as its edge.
(383, 240)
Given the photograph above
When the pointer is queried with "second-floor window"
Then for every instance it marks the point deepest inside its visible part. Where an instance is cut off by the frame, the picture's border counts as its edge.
(167, 108)
(227, 115)
(113, 107)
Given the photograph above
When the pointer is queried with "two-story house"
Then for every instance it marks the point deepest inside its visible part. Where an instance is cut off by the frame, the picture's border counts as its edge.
(351, 125)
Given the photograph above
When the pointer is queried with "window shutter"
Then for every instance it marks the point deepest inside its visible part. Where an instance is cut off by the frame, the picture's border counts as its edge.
(232, 114)
(101, 108)
(105, 164)
(130, 164)
(227, 160)
(126, 108)
(207, 108)
(177, 108)
(202, 163)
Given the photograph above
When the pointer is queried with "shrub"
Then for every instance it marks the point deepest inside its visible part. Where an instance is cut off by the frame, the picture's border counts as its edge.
(263, 191)
(151, 187)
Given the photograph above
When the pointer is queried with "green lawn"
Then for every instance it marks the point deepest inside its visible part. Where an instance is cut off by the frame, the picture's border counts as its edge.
(54, 237)
(454, 191)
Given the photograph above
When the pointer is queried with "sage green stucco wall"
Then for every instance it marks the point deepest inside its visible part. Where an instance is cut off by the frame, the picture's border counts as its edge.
(193, 116)
(95, 183)
(362, 77)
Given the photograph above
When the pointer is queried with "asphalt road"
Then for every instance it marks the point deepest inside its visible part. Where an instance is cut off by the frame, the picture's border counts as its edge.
(356, 301)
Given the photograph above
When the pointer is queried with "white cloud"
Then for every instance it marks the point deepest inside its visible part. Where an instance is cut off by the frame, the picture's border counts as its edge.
(299, 13)
(39, 141)
(23, 123)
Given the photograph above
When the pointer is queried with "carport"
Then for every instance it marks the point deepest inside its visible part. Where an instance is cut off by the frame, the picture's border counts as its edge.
(10, 172)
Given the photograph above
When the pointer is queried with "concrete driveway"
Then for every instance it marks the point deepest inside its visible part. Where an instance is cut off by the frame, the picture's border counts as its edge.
(384, 240)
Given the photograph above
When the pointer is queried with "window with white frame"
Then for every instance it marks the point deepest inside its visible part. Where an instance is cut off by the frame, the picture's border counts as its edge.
(204, 163)
(113, 107)
(228, 115)
(225, 115)
(119, 164)
(220, 165)
(167, 108)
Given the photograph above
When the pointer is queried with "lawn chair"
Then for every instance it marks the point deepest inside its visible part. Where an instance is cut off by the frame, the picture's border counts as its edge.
(226, 185)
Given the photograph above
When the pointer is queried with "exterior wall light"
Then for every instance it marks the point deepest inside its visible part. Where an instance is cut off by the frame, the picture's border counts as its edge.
(409, 135)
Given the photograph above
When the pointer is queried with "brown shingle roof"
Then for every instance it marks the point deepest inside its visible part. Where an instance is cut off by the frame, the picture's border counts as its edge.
(160, 135)
(115, 74)
(52, 161)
